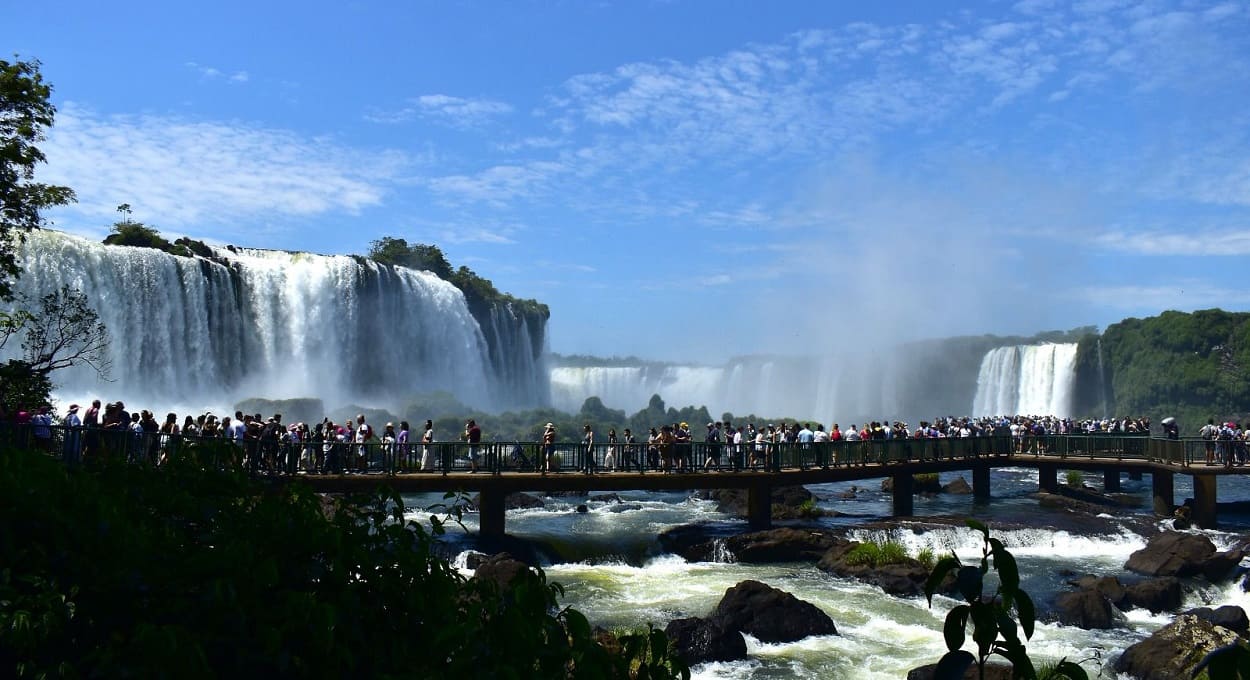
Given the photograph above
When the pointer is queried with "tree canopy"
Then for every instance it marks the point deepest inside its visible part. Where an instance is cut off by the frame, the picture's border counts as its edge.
(25, 114)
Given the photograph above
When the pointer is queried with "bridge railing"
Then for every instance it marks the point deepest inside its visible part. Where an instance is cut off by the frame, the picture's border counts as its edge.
(376, 456)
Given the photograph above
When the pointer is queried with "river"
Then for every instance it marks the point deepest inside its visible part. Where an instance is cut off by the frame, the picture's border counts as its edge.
(614, 570)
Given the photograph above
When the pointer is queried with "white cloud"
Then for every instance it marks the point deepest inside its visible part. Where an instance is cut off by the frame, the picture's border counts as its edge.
(1182, 295)
(444, 109)
(212, 73)
(178, 172)
(1225, 242)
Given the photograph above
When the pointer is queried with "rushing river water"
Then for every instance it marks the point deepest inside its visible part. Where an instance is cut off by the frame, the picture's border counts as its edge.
(615, 571)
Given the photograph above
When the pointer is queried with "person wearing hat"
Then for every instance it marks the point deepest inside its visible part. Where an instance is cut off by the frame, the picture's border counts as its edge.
(73, 427)
(550, 463)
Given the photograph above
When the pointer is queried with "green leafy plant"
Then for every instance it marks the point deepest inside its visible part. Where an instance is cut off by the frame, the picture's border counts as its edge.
(1076, 479)
(994, 631)
(876, 554)
(926, 558)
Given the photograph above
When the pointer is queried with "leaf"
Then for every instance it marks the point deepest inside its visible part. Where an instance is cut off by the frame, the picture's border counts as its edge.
(953, 665)
(969, 582)
(1006, 627)
(940, 570)
(953, 630)
(1070, 670)
(1024, 609)
(974, 524)
(1021, 665)
(1005, 564)
(984, 626)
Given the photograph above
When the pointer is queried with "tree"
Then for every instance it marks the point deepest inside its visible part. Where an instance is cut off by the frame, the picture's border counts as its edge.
(61, 332)
(398, 252)
(24, 115)
(124, 209)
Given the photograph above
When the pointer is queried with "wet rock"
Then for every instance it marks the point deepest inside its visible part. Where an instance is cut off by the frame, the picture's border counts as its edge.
(1088, 609)
(1157, 595)
(503, 569)
(513, 501)
(769, 614)
(623, 507)
(993, 671)
(903, 579)
(1179, 554)
(1173, 651)
(582, 509)
(780, 545)
(959, 487)
(734, 501)
(693, 542)
(1108, 586)
(920, 484)
(702, 640)
(604, 498)
(1229, 616)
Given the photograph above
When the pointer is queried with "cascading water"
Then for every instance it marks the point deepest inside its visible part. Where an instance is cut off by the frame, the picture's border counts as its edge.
(278, 325)
(1102, 380)
(1026, 379)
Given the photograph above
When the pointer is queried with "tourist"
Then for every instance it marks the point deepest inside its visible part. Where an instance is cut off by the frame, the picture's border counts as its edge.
(610, 459)
(550, 463)
(91, 423)
(41, 428)
(629, 451)
(665, 443)
(404, 450)
(169, 442)
(682, 444)
(389, 448)
(712, 440)
(588, 449)
(473, 434)
(653, 449)
(73, 433)
(1208, 433)
(364, 435)
(427, 446)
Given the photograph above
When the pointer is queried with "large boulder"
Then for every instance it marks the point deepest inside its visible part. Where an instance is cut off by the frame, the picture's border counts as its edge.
(1088, 609)
(702, 640)
(1229, 616)
(1179, 554)
(780, 545)
(503, 569)
(783, 498)
(959, 487)
(513, 501)
(1173, 651)
(902, 579)
(1157, 595)
(993, 671)
(920, 484)
(769, 614)
(1108, 586)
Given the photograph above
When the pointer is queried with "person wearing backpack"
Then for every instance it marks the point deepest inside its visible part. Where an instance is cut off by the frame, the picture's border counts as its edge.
(1208, 433)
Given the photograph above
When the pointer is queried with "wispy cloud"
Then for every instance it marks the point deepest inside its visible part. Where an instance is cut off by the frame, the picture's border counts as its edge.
(1185, 295)
(213, 73)
(179, 172)
(456, 112)
(1187, 242)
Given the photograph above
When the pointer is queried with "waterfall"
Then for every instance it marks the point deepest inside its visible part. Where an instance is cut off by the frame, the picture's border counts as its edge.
(278, 325)
(1102, 379)
(1026, 379)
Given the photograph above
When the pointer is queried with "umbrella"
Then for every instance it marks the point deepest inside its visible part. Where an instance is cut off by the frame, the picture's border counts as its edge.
(1168, 420)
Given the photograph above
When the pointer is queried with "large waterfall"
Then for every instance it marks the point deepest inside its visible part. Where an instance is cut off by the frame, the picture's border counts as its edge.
(1026, 379)
(277, 324)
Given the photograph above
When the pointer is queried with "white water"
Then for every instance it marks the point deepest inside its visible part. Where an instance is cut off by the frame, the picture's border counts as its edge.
(1026, 379)
(277, 325)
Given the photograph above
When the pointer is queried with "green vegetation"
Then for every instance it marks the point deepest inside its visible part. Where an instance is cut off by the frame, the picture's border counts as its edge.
(139, 235)
(994, 631)
(925, 479)
(480, 294)
(1076, 479)
(1190, 366)
(25, 114)
(925, 558)
(58, 331)
(131, 571)
(877, 554)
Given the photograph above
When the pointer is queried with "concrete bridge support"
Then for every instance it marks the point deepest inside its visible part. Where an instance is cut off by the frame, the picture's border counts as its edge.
(1048, 477)
(1111, 480)
(1161, 486)
(903, 498)
(1204, 501)
(759, 506)
(981, 481)
(490, 507)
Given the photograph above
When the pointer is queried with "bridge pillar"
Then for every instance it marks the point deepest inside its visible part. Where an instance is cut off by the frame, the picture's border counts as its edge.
(1135, 475)
(1161, 485)
(1204, 501)
(490, 507)
(759, 506)
(1048, 477)
(903, 498)
(1111, 480)
(981, 481)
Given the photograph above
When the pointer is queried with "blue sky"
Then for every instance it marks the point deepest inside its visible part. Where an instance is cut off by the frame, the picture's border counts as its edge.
(688, 180)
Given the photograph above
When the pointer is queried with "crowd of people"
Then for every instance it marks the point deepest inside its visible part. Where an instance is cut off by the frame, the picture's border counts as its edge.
(266, 444)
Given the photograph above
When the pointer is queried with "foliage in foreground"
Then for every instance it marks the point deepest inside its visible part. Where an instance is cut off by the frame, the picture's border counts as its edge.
(877, 554)
(130, 571)
(994, 631)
